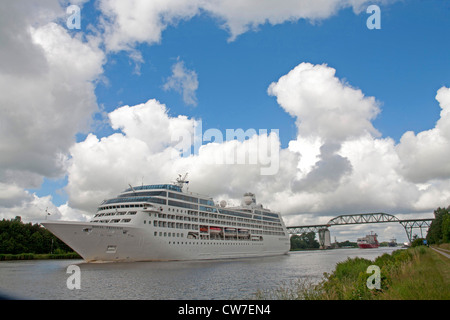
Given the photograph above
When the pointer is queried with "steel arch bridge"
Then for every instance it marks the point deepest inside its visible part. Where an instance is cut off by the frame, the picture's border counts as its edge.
(362, 218)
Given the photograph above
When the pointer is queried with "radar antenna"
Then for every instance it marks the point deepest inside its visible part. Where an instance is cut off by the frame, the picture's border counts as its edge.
(180, 181)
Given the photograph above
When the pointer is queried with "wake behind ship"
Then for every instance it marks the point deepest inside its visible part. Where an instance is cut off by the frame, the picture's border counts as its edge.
(163, 222)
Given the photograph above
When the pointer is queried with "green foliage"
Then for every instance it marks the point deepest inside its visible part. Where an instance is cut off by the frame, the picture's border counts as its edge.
(446, 228)
(17, 237)
(349, 280)
(415, 273)
(32, 256)
(304, 241)
(439, 230)
(347, 243)
(417, 242)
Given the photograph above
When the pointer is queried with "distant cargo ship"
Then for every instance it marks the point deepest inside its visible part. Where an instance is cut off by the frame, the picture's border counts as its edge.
(369, 241)
(393, 243)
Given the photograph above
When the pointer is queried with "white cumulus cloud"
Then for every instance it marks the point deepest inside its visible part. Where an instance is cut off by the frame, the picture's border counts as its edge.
(425, 155)
(183, 81)
(47, 83)
(128, 23)
(345, 168)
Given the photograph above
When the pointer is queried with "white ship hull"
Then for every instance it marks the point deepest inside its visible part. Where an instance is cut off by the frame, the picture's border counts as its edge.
(127, 243)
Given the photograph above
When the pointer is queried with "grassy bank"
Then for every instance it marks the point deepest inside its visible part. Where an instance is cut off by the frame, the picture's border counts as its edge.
(36, 256)
(414, 274)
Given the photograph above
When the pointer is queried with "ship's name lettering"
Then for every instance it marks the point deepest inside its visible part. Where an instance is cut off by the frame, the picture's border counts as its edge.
(107, 227)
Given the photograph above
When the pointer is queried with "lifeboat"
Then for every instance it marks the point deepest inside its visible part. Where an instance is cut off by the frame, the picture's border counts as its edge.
(215, 229)
(230, 230)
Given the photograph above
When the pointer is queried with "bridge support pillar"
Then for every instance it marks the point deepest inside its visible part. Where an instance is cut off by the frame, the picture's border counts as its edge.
(324, 238)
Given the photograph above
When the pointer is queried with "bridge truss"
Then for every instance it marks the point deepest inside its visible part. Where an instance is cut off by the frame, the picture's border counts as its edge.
(362, 218)
(409, 225)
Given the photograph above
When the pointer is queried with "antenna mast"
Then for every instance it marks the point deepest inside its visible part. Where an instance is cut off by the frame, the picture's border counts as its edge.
(180, 181)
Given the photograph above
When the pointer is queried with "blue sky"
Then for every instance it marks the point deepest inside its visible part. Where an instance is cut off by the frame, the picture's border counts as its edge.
(230, 53)
(402, 65)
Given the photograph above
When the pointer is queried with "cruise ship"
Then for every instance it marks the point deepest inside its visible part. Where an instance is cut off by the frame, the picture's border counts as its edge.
(164, 222)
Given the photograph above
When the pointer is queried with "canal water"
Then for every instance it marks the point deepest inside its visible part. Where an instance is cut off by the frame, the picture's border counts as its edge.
(191, 280)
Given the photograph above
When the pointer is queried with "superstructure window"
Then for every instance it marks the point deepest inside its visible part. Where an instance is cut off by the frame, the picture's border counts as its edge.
(135, 199)
(155, 186)
(183, 197)
(144, 194)
(182, 204)
(208, 202)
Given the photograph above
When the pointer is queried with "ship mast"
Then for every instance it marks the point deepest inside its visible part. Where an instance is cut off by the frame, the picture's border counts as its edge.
(180, 181)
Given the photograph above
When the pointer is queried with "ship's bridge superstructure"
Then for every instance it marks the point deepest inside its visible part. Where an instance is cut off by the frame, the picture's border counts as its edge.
(167, 206)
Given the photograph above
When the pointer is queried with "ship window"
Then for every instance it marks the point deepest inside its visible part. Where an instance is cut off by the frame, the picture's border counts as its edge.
(182, 204)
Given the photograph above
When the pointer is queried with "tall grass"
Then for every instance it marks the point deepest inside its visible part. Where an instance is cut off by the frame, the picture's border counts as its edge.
(416, 273)
(426, 278)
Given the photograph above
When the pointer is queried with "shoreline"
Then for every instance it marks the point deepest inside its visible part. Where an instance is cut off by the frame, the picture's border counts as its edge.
(410, 274)
(38, 256)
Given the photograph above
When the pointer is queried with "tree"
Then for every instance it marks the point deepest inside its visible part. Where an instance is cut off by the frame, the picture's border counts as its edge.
(304, 241)
(446, 228)
(440, 227)
(17, 237)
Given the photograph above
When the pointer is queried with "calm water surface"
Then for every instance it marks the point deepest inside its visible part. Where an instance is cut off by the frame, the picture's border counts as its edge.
(219, 279)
